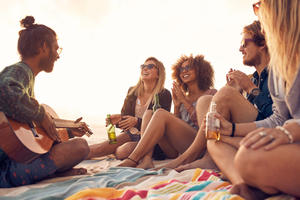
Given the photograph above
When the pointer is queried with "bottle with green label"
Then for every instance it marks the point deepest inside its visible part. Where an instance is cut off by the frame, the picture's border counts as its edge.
(111, 131)
(156, 104)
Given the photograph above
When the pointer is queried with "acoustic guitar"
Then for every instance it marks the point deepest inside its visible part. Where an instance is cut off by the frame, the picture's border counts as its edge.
(24, 142)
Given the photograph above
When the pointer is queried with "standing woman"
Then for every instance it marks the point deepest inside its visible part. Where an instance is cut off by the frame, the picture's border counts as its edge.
(193, 77)
(269, 157)
(139, 98)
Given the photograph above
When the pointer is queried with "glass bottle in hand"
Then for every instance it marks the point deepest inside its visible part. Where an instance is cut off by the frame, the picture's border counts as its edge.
(111, 131)
(212, 123)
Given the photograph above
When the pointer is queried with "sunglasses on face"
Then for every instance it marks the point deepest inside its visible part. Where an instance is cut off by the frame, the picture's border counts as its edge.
(186, 68)
(150, 66)
(245, 42)
(256, 7)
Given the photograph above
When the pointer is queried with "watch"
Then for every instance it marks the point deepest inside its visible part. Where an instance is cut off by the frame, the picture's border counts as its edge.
(255, 92)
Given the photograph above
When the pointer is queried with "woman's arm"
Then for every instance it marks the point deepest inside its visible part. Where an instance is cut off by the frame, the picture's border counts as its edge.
(128, 108)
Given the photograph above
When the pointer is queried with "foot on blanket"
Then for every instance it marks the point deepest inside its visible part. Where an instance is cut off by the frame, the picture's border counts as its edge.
(146, 163)
(247, 192)
(128, 162)
(204, 163)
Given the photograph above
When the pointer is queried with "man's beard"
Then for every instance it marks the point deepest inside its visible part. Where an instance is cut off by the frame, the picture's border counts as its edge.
(255, 61)
(46, 64)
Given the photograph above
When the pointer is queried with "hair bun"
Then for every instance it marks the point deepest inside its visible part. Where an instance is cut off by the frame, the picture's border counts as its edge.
(27, 22)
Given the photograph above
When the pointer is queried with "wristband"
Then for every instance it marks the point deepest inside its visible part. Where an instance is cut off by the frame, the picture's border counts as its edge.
(233, 129)
(70, 134)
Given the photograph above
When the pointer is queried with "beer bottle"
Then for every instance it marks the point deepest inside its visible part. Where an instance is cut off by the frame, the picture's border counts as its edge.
(156, 104)
(111, 131)
(212, 123)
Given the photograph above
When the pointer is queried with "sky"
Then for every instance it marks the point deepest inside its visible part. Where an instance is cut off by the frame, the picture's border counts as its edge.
(105, 41)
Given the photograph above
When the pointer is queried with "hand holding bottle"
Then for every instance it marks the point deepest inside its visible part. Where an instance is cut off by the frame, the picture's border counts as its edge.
(127, 122)
(114, 119)
(212, 128)
(111, 131)
(225, 126)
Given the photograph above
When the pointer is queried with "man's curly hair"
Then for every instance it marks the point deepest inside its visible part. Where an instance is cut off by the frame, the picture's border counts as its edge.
(204, 71)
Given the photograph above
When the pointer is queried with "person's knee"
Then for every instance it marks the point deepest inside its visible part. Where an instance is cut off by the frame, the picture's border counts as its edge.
(225, 95)
(81, 147)
(160, 113)
(203, 102)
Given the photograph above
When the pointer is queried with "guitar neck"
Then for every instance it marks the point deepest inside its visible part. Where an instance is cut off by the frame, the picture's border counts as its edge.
(62, 123)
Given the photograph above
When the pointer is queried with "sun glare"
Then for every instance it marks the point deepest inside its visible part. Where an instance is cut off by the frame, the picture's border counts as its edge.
(104, 42)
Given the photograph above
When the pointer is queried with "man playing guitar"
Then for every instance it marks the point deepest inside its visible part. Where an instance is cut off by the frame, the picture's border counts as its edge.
(38, 49)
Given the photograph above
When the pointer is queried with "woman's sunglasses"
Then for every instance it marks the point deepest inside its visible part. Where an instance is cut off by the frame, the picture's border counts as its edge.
(150, 66)
(256, 7)
(186, 68)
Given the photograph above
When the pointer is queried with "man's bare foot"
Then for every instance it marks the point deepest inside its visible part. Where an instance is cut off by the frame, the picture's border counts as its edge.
(247, 192)
(146, 163)
(128, 163)
(72, 172)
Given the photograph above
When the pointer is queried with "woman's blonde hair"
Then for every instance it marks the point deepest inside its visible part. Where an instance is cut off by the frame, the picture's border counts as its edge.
(138, 89)
(280, 20)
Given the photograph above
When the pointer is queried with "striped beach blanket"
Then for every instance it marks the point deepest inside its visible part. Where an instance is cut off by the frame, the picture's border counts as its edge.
(203, 184)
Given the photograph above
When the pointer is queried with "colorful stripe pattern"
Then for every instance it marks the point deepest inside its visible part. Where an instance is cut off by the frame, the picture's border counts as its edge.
(203, 185)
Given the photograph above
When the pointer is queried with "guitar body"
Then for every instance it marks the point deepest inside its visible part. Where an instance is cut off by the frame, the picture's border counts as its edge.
(19, 142)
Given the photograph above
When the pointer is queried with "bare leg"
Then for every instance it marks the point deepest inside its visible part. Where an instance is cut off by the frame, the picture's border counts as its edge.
(248, 192)
(223, 155)
(125, 150)
(164, 127)
(104, 148)
(198, 147)
(68, 154)
(233, 107)
(146, 162)
(271, 171)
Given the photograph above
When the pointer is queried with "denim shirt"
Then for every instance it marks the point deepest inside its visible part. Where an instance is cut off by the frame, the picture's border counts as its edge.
(263, 102)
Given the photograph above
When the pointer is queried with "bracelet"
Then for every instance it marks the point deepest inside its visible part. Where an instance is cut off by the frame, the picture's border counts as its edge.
(233, 129)
(132, 160)
(70, 134)
(288, 134)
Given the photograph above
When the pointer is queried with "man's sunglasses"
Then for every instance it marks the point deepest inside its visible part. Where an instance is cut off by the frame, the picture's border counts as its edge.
(256, 7)
(186, 68)
(150, 66)
(245, 42)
